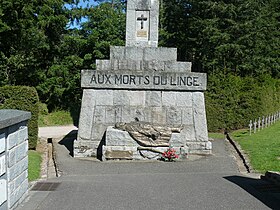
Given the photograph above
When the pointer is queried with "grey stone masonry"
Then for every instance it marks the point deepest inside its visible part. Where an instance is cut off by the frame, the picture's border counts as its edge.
(141, 82)
(142, 23)
(13, 157)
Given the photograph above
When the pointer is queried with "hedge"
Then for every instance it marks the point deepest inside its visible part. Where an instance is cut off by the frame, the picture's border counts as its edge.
(232, 101)
(26, 99)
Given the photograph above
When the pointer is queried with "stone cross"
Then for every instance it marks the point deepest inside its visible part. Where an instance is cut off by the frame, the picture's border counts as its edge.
(142, 19)
(250, 127)
(255, 126)
(259, 124)
(263, 122)
(266, 122)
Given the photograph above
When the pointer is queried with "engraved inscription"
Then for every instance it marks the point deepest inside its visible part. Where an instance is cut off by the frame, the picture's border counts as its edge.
(140, 80)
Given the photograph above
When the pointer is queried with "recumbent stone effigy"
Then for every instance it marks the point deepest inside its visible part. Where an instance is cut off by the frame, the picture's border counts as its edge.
(144, 93)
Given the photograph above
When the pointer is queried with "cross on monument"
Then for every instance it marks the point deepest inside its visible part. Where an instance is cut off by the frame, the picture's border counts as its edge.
(142, 19)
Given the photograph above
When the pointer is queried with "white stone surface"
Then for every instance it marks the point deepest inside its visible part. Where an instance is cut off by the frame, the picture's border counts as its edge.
(116, 137)
(174, 116)
(99, 115)
(103, 97)
(2, 143)
(11, 157)
(136, 98)
(12, 140)
(2, 165)
(158, 115)
(86, 114)
(177, 140)
(187, 116)
(200, 123)
(17, 169)
(183, 99)
(23, 134)
(153, 99)
(3, 191)
(21, 151)
(121, 98)
(168, 98)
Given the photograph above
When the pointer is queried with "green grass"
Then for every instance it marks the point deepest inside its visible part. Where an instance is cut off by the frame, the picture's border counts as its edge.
(263, 147)
(55, 118)
(34, 165)
(216, 135)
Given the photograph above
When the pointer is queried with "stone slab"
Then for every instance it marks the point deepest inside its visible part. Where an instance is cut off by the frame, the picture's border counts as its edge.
(2, 143)
(150, 80)
(116, 137)
(143, 53)
(3, 191)
(10, 117)
(2, 165)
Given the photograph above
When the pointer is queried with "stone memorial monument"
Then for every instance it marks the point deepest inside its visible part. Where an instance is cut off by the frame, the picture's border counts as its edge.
(142, 101)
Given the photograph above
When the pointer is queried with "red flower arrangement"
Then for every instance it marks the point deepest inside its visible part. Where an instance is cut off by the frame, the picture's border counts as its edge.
(170, 155)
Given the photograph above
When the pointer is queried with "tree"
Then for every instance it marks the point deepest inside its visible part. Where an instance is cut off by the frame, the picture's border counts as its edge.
(105, 27)
(236, 36)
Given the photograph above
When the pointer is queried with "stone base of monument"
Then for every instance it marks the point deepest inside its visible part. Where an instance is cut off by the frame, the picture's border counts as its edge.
(121, 146)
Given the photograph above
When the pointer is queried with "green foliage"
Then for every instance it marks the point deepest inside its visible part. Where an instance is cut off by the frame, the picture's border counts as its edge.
(56, 118)
(34, 165)
(262, 147)
(105, 27)
(231, 101)
(227, 36)
(216, 135)
(26, 99)
(43, 109)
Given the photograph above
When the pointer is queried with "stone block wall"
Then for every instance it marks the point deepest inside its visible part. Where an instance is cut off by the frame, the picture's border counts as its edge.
(13, 157)
(103, 108)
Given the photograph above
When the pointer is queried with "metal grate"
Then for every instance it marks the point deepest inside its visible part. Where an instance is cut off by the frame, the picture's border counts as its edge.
(268, 188)
(45, 186)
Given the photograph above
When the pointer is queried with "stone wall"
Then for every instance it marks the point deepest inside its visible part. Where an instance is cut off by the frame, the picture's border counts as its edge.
(103, 108)
(13, 157)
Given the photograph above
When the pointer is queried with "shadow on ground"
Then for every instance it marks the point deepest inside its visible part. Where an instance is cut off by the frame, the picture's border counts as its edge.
(68, 141)
(264, 191)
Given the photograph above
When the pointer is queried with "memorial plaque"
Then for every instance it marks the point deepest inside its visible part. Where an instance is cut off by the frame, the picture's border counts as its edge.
(118, 154)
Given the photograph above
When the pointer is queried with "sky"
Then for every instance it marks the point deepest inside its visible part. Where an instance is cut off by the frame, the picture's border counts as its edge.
(84, 4)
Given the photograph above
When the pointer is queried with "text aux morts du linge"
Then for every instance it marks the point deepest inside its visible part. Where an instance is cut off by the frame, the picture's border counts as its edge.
(100, 78)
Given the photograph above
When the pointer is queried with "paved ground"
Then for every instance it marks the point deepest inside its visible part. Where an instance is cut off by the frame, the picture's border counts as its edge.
(55, 131)
(211, 182)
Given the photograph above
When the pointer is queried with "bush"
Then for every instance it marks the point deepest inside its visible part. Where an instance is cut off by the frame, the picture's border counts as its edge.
(232, 101)
(26, 99)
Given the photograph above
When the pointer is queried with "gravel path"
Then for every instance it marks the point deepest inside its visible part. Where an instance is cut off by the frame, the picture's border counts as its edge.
(55, 131)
